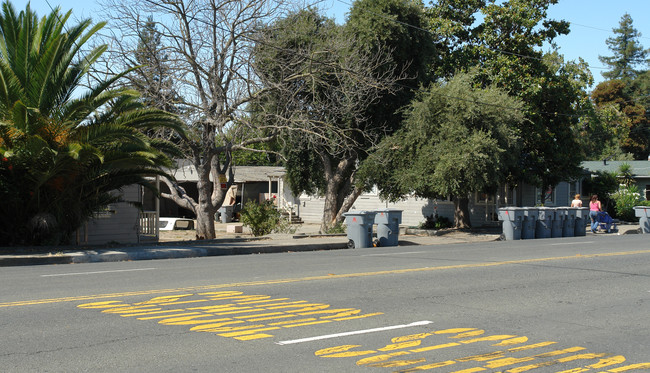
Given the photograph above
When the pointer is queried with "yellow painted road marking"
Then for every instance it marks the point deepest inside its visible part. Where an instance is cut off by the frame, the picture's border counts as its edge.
(629, 368)
(333, 350)
(385, 357)
(314, 278)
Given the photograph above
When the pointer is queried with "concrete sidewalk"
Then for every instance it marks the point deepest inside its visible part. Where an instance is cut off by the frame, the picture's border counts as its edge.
(306, 239)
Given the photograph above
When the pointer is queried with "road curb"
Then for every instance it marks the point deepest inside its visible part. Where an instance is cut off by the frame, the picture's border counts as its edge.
(151, 253)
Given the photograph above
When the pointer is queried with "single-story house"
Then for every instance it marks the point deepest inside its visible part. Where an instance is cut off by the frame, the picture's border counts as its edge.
(256, 183)
(483, 207)
(640, 172)
(121, 222)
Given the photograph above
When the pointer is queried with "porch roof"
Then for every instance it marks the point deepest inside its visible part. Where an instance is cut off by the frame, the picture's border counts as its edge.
(186, 172)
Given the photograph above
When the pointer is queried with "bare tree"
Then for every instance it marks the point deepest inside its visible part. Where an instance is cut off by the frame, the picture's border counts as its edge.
(202, 62)
(203, 54)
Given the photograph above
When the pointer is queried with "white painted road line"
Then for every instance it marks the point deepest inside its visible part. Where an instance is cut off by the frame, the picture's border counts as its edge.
(404, 253)
(98, 272)
(417, 323)
(572, 243)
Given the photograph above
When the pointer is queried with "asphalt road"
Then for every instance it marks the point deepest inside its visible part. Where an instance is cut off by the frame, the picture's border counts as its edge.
(555, 305)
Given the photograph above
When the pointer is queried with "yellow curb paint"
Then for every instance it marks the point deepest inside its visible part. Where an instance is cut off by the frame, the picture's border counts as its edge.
(314, 278)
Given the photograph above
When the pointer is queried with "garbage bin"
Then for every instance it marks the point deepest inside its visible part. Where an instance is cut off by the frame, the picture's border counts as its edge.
(529, 223)
(582, 219)
(512, 218)
(643, 213)
(388, 221)
(359, 225)
(225, 212)
(569, 221)
(558, 223)
(544, 222)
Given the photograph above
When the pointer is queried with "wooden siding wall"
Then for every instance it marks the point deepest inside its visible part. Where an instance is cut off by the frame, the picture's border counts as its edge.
(415, 210)
(121, 226)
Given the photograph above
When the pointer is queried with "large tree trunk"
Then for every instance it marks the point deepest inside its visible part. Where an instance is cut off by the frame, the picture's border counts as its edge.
(205, 211)
(337, 194)
(461, 213)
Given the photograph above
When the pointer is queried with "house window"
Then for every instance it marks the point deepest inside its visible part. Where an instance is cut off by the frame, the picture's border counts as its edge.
(573, 189)
(105, 213)
(549, 194)
(647, 192)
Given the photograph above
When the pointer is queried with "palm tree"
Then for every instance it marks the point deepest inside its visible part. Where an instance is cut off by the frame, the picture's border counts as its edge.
(64, 154)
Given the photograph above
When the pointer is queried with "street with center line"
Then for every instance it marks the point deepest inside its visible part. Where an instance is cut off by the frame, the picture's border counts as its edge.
(555, 305)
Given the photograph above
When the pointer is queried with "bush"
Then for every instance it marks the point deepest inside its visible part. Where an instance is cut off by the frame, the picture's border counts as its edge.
(625, 198)
(338, 228)
(436, 222)
(264, 218)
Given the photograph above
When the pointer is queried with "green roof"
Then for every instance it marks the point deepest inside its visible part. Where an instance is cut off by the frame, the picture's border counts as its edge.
(639, 168)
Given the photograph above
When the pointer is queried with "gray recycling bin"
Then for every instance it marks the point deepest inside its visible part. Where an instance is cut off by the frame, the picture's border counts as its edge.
(388, 222)
(529, 223)
(643, 213)
(545, 216)
(359, 225)
(558, 223)
(226, 213)
(512, 218)
(582, 217)
(569, 221)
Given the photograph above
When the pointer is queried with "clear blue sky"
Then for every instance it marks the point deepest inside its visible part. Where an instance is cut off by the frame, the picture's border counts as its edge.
(591, 22)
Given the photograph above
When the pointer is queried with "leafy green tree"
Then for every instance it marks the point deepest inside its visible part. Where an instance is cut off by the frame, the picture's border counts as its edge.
(604, 184)
(553, 90)
(456, 140)
(64, 157)
(339, 81)
(397, 26)
(628, 52)
(632, 127)
(505, 47)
